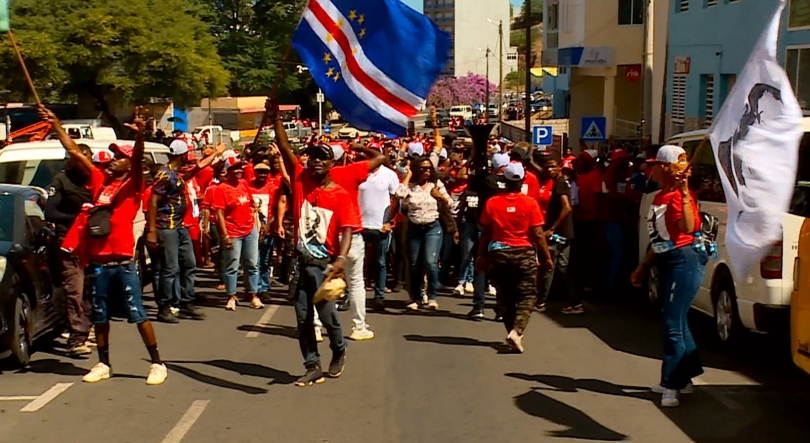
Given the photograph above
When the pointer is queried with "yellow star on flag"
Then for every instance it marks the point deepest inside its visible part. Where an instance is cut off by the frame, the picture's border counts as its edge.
(355, 50)
(362, 33)
(337, 77)
(361, 19)
(340, 22)
(327, 57)
(329, 37)
(352, 15)
(330, 72)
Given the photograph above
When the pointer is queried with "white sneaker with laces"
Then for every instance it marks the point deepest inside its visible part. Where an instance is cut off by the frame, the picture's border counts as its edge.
(669, 399)
(658, 389)
(318, 334)
(157, 374)
(468, 288)
(412, 306)
(491, 291)
(459, 290)
(231, 306)
(515, 341)
(361, 334)
(98, 373)
(433, 304)
(424, 299)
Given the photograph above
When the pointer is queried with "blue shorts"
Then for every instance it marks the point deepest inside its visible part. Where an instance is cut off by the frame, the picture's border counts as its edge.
(120, 282)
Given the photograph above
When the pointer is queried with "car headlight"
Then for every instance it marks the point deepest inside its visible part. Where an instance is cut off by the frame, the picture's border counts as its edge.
(3, 263)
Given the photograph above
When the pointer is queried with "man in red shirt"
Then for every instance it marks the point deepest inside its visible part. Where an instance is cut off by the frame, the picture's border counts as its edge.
(522, 153)
(324, 219)
(512, 229)
(106, 241)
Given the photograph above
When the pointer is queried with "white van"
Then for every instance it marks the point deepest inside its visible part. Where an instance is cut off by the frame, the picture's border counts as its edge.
(464, 112)
(36, 163)
(760, 300)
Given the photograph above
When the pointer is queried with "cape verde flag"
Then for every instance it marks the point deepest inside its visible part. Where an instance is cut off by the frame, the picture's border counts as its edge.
(375, 60)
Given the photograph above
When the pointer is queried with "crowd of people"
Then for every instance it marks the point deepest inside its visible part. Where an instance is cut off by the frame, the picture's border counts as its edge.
(429, 213)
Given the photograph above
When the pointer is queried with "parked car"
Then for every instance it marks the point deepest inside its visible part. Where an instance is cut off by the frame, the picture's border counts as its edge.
(349, 132)
(760, 300)
(442, 119)
(31, 307)
(36, 163)
(465, 112)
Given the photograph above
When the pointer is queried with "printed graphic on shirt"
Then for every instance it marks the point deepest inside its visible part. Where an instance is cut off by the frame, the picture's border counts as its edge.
(660, 240)
(472, 201)
(263, 201)
(313, 226)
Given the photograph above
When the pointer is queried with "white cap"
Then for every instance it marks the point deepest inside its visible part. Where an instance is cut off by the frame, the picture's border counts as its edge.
(443, 153)
(338, 151)
(514, 172)
(670, 154)
(415, 149)
(500, 160)
(178, 147)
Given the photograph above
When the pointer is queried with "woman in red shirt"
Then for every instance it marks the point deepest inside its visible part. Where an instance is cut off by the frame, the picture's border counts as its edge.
(512, 227)
(236, 211)
(680, 259)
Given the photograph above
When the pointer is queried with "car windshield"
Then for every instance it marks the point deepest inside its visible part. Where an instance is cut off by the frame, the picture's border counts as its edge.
(31, 172)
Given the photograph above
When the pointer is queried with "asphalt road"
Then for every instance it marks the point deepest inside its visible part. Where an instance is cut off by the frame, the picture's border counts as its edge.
(428, 377)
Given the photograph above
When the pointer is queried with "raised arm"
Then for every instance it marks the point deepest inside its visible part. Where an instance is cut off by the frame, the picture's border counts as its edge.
(138, 126)
(375, 157)
(206, 162)
(287, 154)
(85, 164)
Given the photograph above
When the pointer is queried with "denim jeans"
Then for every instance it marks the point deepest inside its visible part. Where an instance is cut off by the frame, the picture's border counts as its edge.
(450, 254)
(177, 267)
(680, 274)
(614, 234)
(424, 242)
(469, 244)
(379, 242)
(308, 278)
(120, 282)
(265, 260)
(247, 249)
(561, 256)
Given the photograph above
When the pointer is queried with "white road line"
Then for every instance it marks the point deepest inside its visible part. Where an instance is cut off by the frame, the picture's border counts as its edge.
(268, 314)
(46, 398)
(186, 421)
(19, 398)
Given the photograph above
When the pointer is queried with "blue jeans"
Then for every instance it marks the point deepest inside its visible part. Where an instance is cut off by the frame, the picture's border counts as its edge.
(120, 282)
(680, 274)
(614, 233)
(424, 242)
(469, 243)
(247, 249)
(177, 267)
(265, 259)
(379, 242)
(307, 280)
(450, 253)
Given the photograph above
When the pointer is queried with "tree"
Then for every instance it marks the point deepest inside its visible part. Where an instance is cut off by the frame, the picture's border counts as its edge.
(536, 15)
(132, 49)
(466, 90)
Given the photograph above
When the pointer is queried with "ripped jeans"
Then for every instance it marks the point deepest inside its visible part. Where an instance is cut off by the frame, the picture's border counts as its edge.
(425, 244)
(118, 281)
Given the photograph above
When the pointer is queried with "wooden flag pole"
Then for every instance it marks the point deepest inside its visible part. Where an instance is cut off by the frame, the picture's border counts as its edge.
(25, 70)
(700, 147)
(279, 77)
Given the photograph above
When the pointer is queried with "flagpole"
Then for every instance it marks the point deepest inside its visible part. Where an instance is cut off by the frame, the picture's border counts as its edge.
(24, 68)
(279, 77)
(703, 144)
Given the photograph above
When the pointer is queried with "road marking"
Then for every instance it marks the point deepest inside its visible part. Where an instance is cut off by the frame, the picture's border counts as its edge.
(46, 398)
(186, 421)
(268, 314)
(19, 398)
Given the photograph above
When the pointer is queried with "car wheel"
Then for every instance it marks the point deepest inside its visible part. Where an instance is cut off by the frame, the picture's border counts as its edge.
(652, 286)
(728, 325)
(20, 338)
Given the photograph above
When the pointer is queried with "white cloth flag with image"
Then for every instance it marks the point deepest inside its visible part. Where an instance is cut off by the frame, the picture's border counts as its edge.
(755, 139)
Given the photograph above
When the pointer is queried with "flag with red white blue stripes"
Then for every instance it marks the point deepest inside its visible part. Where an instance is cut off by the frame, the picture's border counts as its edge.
(375, 60)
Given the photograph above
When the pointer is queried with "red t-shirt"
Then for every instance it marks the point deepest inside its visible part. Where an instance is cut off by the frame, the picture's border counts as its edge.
(320, 215)
(589, 192)
(544, 194)
(120, 244)
(250, 174)
(237, 204)
(350, 178)
(204, 177)
(193, 196)
(663, 220)
(531, 185)
(265, 193)
(508, 217)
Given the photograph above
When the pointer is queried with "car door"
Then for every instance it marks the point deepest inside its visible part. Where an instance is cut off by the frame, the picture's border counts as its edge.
(49, 304)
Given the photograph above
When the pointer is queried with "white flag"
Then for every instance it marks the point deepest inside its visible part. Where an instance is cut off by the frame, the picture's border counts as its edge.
(755, 139)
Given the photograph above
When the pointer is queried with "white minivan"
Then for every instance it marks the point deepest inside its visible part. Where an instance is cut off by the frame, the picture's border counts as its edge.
(760, 300)
(36, 163)
(465, 112)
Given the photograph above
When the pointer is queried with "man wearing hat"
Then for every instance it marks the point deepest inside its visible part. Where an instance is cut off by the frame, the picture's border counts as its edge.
(522, 152)
(512, 228)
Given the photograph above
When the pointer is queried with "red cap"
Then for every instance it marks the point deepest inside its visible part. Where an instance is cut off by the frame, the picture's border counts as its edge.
(125, 150)
(191, 156)
(102, 157)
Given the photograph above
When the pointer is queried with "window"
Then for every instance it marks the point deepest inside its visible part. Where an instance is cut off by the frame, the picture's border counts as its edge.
(553, 22)
(707, 81)
(797, 65)
(711, 3)
(705, 181)
(678, 98)
(631, 12)
(683, 5)
(799, 14)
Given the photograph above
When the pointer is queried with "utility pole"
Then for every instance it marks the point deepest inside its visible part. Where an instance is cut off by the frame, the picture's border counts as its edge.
(486, 103)
(500, 73)
(646, 69)
(527, 110)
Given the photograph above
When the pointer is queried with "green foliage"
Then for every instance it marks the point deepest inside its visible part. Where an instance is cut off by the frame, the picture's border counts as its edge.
(536, 15)
(138, 50)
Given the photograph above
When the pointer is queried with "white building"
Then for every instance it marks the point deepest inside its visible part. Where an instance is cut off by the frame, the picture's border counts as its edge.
(473, 25)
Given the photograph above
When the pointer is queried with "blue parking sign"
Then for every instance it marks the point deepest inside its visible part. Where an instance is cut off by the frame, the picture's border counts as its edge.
(327, 129)
(543, 135)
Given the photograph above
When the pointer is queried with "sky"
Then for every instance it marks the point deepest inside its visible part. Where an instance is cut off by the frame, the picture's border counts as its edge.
(417, 4)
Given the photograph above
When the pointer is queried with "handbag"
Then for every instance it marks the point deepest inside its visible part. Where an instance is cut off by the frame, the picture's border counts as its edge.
(99, 223)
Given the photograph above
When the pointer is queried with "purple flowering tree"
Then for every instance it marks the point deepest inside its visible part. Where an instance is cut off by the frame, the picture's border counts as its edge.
(466, 90)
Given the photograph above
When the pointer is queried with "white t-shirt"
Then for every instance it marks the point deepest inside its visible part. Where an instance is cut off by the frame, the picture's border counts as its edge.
(375, 197)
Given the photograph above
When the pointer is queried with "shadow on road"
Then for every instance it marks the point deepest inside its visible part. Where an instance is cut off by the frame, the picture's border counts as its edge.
(277, 377)
(458, 341)
(279, 330)
(579, 424)
(54, 366)
(214, 381)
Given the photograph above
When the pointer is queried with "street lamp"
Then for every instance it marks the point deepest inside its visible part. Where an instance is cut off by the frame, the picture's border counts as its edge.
(319, 98)
(486, 105)
(500, 59)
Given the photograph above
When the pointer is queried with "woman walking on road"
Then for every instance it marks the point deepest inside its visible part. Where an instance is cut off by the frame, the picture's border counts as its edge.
(680, 258)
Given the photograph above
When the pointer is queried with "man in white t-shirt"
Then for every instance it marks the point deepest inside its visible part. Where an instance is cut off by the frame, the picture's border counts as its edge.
(378, 221)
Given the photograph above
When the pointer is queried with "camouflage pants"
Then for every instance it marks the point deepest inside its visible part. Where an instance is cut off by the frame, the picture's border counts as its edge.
(514, 273)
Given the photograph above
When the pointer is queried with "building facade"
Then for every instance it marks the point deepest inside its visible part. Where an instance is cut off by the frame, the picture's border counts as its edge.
(473, 26)
(600, 44)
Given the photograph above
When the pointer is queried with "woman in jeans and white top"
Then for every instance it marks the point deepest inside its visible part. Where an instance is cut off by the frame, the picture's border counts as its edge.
(419, 192)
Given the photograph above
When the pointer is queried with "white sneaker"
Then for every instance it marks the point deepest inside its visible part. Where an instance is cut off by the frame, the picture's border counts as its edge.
(515, 341)
(468, 288)
(459, 290)
(412, 306)
(318, 334)
(424, 299)
(174, 310)
(658, 389)
(491, 291)
(432, 305)
(157, 374)
(361, 334)
(99, 372)
(231, 306)
(669, 399)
